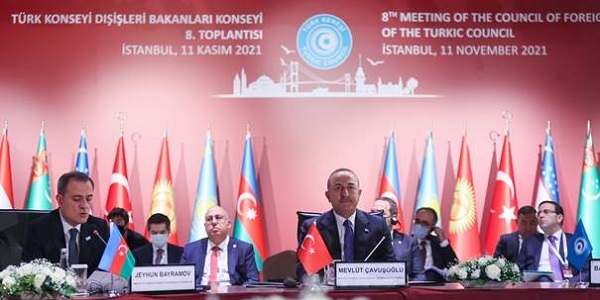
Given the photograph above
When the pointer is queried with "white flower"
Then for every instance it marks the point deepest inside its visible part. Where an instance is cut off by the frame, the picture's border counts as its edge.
(500, 263)
(482, 261)
(476, 273)
(516, 268)
(8, 281)
(38, 280)
(493, 272)
(462, 273)
(46, 270)
(26, 269)
(452, 270)
(58, 275)
(70, 280)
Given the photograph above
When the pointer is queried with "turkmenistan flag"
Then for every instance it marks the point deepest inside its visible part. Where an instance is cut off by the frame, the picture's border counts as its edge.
(39, 185)
(589, 194)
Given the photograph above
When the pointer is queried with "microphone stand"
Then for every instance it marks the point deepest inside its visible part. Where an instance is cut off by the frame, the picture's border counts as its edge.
(110, 293)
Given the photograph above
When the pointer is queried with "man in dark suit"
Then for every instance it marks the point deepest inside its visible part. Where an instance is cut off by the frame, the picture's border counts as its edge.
(158, 252)
(405, 246)
(69, 226)
(344, 222)
(435, 249)
(220, 259)
(509, 244)
(120, 217)
(548, 251)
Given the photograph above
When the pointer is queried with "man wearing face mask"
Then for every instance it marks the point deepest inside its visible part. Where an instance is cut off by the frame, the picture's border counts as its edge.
(158, 252)
(435, 249)
(120, 217)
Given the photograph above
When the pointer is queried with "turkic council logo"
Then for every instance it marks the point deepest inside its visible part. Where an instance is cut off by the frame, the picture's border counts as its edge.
(324, 41)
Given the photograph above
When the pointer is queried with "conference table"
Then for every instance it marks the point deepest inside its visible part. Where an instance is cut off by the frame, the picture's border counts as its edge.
(523, 291)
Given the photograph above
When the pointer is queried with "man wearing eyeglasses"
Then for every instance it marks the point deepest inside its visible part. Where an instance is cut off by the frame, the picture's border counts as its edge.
(547, 251)
(220, 259)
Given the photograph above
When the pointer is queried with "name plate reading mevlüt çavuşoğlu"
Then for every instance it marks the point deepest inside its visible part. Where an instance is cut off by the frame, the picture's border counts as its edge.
(355, 275)
(163, 279)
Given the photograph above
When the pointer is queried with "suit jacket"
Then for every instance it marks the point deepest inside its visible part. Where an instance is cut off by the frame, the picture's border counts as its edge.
(442, 258)
(407, 249)
(240, 260)
(143, 255)
(508, 246)
(368, 231)
(531, 251)
(45, 238)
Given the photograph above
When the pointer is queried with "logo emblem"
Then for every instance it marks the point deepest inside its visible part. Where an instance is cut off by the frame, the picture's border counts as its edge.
(324, 41)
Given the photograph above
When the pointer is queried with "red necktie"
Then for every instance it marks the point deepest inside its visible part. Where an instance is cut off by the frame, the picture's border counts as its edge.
(214, 263)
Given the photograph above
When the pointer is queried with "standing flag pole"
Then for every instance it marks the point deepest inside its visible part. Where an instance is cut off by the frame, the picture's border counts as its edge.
(427, 193)
(504, 204)
(118, 191)
(82, 164)
(207, 193)
(390, 184)
(463, 230)
(39, 197)
(548, 182)
(7, 200)
(163, 198)
(249, 221)
(589, 193)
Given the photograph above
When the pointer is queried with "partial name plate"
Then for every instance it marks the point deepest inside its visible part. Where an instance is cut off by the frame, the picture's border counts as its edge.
(370, 274)
(595, 272)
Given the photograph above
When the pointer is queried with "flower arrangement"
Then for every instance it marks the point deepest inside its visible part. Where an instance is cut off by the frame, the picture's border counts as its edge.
(485, 269)
(38, 277)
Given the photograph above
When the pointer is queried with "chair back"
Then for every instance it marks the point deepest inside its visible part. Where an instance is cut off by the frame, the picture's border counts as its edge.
(280, 266)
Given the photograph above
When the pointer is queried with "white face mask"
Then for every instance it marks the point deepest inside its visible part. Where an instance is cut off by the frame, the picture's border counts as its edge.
(419, 231)
(158, 240)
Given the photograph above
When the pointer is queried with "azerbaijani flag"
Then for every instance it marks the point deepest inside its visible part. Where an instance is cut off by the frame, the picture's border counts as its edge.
(117, 258)
(206, 195)
(249, 220)
(390, 184)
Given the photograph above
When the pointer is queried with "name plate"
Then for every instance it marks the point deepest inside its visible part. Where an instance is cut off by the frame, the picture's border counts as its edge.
(349, 275)
(595, 272)
(163, 279)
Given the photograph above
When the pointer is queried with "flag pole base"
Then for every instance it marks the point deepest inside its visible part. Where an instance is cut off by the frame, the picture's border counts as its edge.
(112, 294)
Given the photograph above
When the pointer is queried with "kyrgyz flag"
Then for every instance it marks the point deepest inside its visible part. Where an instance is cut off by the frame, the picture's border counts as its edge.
(162, 194)
(249, 220)
(589, 194)
(390, 183)
(313, 253)
(548, 182)
(503, 211)
(7, 200)
(206, 195)
(118, 192)
(117, 258)
(39, 185)
(427, 194)
(463, 228)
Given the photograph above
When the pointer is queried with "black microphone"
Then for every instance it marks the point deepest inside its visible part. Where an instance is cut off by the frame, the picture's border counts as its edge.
(96, 233)
(376, 246)
(290, 282)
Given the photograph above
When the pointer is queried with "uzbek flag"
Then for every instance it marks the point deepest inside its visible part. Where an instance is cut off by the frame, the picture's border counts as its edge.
(117, 258)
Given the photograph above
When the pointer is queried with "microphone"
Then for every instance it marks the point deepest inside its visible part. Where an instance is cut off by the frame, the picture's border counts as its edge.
(290, 282)
(96, 233)
(375, 248)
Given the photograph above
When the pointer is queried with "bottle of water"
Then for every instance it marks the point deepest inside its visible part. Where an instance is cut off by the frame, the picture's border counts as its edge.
(64, 258)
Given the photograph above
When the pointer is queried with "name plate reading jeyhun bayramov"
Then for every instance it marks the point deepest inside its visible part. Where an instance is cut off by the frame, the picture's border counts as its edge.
(163, 279)
(370, 274)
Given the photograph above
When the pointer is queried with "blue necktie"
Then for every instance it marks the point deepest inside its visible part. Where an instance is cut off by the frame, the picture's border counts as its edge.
(348, 241)
(554, 262)
(73, 251)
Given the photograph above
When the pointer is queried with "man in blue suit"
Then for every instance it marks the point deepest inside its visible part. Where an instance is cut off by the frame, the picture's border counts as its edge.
(405, 246)
(548, 251)
(159, 251)
(509, 244)
(220, 259)
(344, 222)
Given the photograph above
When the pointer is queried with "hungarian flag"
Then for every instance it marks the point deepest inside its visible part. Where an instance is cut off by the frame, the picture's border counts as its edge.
(207, 194)
(249, 221)
(427, 194)
(390, 184)
(118, 192)
(117, 258)
(82, 165)
(503, 211)
(548, 182)
(39, 184)
(162, 194)
(463, 230)
(7, 200)
(313, 253)
(589, 194)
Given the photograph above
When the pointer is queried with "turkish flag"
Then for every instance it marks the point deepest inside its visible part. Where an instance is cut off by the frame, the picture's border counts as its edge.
(503, 212)
(118, 192)
(313, 253)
